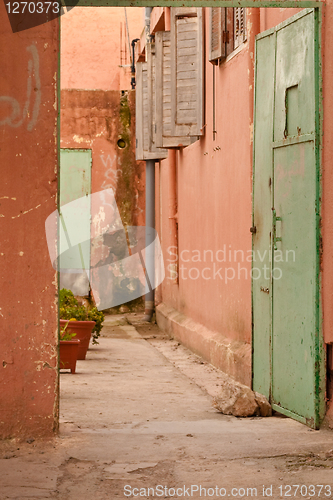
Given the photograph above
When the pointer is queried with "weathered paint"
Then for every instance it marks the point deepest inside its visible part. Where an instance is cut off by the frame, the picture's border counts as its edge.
(20, 417)
(28, 308)
(288, 346)
(96, 120)
(75, 183)
(262, 216)
(213, 208)
(130, 192)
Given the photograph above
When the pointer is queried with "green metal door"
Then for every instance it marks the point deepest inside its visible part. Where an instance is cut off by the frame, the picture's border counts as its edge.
(75, 184)
(288, 357)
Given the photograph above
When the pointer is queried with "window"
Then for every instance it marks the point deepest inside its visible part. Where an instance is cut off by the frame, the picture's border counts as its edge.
(145, 121)
(239, 26)
(227, 29)
(217, 30)
(179, 79)
(187, 71)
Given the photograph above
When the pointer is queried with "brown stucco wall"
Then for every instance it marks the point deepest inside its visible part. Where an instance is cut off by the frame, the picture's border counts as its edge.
(28, 189)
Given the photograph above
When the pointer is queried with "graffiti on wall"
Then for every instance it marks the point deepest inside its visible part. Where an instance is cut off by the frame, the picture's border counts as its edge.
(30, 112)
(111, 172)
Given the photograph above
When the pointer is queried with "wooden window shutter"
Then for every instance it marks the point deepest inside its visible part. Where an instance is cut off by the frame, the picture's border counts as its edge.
(230, 29)
(152, 126)
(187, 71)
(145, 146)
(164, 138)
(218, 36)
(239, 26)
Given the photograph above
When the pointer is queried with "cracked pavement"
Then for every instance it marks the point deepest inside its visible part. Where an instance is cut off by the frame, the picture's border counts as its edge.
(138, 414)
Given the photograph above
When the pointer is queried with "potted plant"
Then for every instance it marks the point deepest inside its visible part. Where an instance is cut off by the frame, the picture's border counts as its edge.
(68, 349)
(84, 321)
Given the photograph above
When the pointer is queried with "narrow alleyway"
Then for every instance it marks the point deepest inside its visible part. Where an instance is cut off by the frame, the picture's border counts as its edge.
(133, 416)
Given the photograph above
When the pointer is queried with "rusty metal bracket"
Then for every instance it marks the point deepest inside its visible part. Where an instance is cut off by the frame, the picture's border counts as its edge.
(226, 37)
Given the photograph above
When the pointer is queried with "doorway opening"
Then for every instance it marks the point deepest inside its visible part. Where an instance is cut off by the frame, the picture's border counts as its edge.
(95, 117)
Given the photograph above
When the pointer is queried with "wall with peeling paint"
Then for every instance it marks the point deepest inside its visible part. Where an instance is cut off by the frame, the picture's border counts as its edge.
(28, 315)
(28, 189)
(98, 107)
(96, 120)
(94, 47)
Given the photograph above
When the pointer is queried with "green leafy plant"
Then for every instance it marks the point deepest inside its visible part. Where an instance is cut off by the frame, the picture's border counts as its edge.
(69, 308)
(95, 315)
(64, 334)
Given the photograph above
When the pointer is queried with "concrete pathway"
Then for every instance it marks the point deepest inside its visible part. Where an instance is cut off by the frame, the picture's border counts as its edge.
(133, 418)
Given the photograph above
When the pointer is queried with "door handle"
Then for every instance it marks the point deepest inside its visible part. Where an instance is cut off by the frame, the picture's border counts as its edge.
(275, 220)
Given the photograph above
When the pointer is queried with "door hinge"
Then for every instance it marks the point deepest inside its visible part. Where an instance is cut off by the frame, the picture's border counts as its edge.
(275, 220)
(253, 229)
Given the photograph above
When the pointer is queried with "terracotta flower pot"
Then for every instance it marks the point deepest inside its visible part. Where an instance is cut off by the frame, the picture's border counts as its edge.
(83, 330)
(69, 351)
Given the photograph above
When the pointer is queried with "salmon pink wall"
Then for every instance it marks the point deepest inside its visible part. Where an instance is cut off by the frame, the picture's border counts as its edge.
(327, 202)
(327, 175)
(271, 17)
(28, 191)
(209, 193)
(214, 208)
(214, 198)
(91, 44)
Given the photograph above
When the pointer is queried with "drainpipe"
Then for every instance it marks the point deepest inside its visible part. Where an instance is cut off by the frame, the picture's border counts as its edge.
(173, 216)
(150, 237)
(150, 210)
(253, 29)
(133, 83)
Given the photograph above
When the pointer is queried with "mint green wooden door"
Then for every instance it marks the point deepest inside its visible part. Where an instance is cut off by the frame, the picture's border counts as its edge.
(75, 184)
(288, 360)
